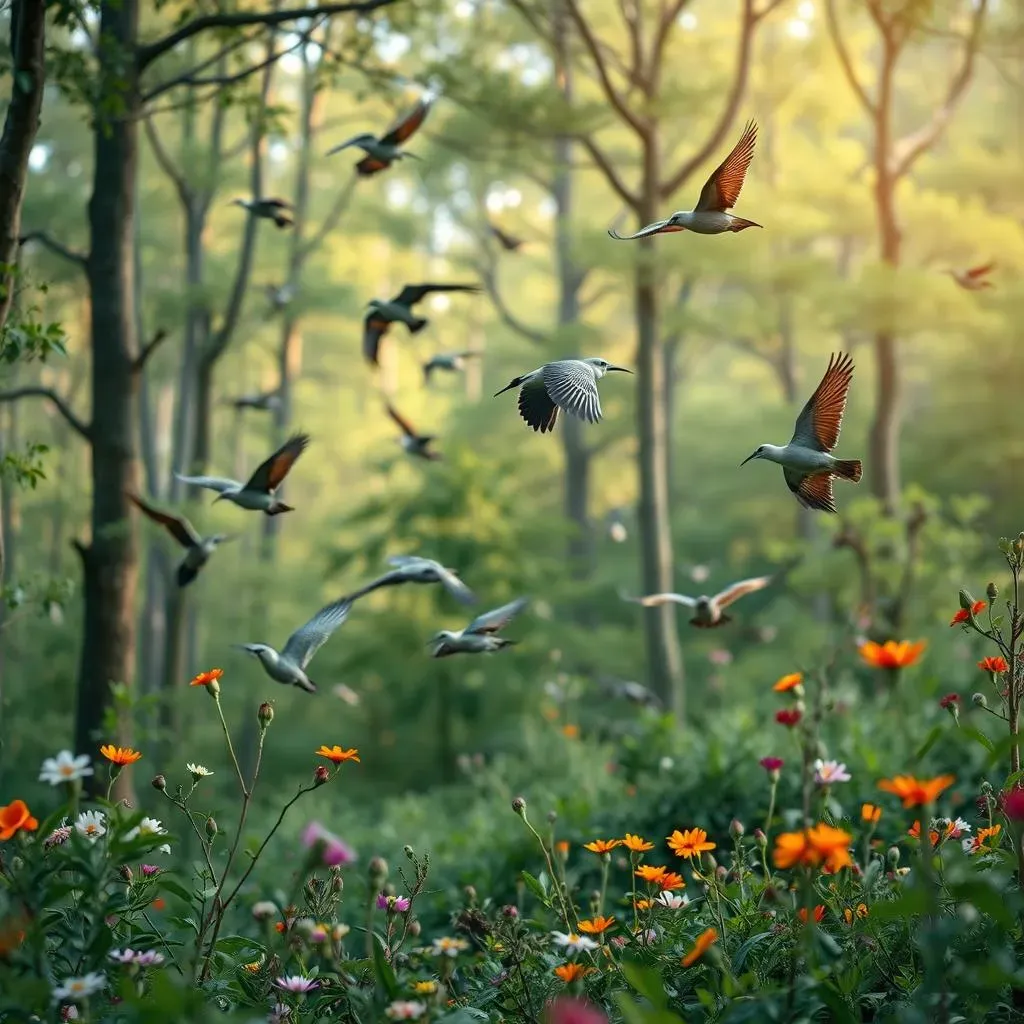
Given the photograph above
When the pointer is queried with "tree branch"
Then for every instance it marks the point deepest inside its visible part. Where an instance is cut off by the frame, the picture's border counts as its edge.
(665, 23)
(910, 147)
(35, 391)
(844, 59)
(147, 350)
(608, 170)
(225, 51)
(147, 53)
(49, 242)
(506, 315)
(163, 158)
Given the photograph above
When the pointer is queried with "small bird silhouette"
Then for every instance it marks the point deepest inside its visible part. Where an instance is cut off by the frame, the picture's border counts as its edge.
(413, 569)
(510, 243)
(973, 279)
(707, 611)
(264, 401)
(450, 362)
(382, 152)
(568, 384)
(382, 315)
(289, 666)
(197, 549)
(480, 636)
(628, 689)
(806, 463)
(276, 210)
(257, 494)
(412, 443)
(719, 194)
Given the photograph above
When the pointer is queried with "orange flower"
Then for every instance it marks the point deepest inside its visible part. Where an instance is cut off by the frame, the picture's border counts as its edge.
(915, 833)
(572, 972)
(16, 817)
(870, 813)
(649, 873)
(963, 615)
(916, 792)
(861, 911)
(978, 844)
(820, 845)
(819, 913)
(636, 843)
(119, 755)
(788, 682)
(12, 935)
(643, 904)
(597, 925)
(892, 654)
(207, 677)
(337, 755)
(690, 843)
(280, 927)
(704, 942)
(670, 880)
(571, 731)
(562, 847)
(995, 665)
(602, 845)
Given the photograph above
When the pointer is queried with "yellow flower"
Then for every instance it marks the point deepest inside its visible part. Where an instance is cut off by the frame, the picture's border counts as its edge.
(636, 843)
(704, 942)
(337, 755)
(425, 988)
(870, 813)
(571, 731)
(978, 844)
(253, 967)
(691, 843)
(789, 682)
(597, 925)
(915, 792)
(602, 845)
(643, 904)
(119, 755)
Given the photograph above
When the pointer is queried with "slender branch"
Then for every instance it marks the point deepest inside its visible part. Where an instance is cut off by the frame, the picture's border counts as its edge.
(147, 350)
(330, 222)
(148, 53)
(535, 24)
(167, 165)
(189, 76)
(79, 426)
(509, 318)
(608, 170)
(46, 240)
(844, 59)
(665, 23)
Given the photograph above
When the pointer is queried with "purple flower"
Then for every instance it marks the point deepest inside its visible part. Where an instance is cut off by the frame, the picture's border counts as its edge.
(147, 958)
(148, 870)
(392, 904)
(296, 983)
(333, 851)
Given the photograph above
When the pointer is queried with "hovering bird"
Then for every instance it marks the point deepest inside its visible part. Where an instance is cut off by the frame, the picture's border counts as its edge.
(197, 549)
(451, 362)
(413, 569)
(719, 194)
(569, 384)
(382, 152)
(707, 611)
(276, 210)
(480, 636)
(265, 401)
(257, 494)
(382, 315)
(973, 279)
(508, 242)
(289, 666)
(806, 463)
(617, 526)
(413, 443)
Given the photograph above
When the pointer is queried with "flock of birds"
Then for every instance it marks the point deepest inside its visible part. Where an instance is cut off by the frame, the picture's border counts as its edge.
(567, 385)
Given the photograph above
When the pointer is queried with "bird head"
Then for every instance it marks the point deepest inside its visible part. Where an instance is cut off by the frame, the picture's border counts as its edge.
(239, 202)
(760, 453)
(602, 366)
(254, 649)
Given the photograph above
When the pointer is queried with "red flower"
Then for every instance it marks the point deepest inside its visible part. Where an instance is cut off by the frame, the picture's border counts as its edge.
(949, 701)
(995, 665)
(789, 717)
(573, 1011)
(963, 615)
(1011, 803)
(772, 764)
(819, 913)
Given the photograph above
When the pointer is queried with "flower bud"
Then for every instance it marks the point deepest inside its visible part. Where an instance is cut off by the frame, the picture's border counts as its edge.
(519, 805)
(213, 688)
(761, 839)
(337, 882)
(709, 859)
(265, 714)
(409, 852)
(510, 910)
(470, 893)
(159, 783)
(986, 787)
(721, 873)
(552, 817)
(211, 828)
(979, 699)
(966, 601)
(378, 869)
(415, 928)
(800, 706)
(126, 873)
(991, 592)
(320, 775)
(736, 829)
(892, 856)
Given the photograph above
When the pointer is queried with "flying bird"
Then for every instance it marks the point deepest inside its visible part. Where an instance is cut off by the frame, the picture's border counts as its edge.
(707, 611)
(973, 279)
(197, 549)
(413, 569)
(628, 689)
(508, 242)
(279, 295)
(806, 463)
(265, 401)
(276, 210)
(382, 152)
(258, 493)
(382, 315)
(450, 362)
(719, 194)
(289, 666)
(481, 635)
(568, 384)
(413, 443)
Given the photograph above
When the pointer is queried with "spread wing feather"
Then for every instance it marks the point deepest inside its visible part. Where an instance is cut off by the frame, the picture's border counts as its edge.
(269, 474)
(656, 600)
(407, 126)
(177, 526)
(813, 491)
(406, 427)
(651, 229)
(536, 406)
(572, 387)
(412, 293)
(818, 424)
(308, 639)
(740, 589)
(211, 483)
(722, 189)
(496, 620)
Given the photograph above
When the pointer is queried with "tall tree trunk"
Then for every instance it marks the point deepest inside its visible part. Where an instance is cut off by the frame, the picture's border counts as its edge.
(110, 560)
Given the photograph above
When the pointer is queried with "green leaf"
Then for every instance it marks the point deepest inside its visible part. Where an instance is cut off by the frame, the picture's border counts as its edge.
(634, 1014)
(740, 956)
(910, 904)
(646, 981)
(978, 737)
(384, 971)
(930, 741)
(986, 898)
(536, 888)
(168, 884)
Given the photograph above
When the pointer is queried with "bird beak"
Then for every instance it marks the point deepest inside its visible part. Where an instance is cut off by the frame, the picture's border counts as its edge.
(748, 458)
(621, 369)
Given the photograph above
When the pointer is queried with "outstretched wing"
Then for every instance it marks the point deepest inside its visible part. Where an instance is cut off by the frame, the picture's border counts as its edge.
(454, 585)
(494, 621)
(389, 579)
(407, 561)
(656, 600)
(412, 293)
(573, 387)
(741, 589)
(374, 328)
(177, 526)
(818, 424)
(975, 272)
(722, 189)
(270, 473)
(220, 484)
(408, 125)
(308, 639)
(535, 405)
(406, 427)
(651, 229)
(277, 204)
(814, 491)
(363, 139)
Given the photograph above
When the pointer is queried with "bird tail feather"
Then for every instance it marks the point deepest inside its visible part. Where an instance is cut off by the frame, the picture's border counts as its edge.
(848, 469)
(309, 689)
(417, 325)
(739, 223)
(720, 621)
(186, 574)
(282, 221)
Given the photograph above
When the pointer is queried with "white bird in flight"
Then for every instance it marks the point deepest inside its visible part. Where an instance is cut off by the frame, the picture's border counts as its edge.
(707, 611)
(806, 463)
(414, 569)
(481, 635)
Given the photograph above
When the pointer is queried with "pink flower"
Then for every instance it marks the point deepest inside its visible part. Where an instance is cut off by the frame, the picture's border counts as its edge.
(138, 957)
(333, 851)
(392, 904)
(772, 765)
(720, 656)
(574, 1011)
(148, 870)
(296, 983)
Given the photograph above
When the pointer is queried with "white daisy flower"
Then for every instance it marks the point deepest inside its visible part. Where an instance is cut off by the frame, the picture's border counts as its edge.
(65, 767)
(91, 824)
(406, 1009)
(673, 900)
(73, 990)
(145, 828)
(574, 943)
(143, 958)
(197, 771)
(446, 946)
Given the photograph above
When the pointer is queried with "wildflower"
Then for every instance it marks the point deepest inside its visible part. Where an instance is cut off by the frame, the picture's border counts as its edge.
(704, 942)
(720, 656)
(212, 675)
(296, 983)
(197, 771)
(318, 932)
(65, 767)
(120, 756)
(892, 654)
(789, 717)
(279, 1014)
(915, 792)
(138, 957)
(91, 825)
(574, 943)
(1011, 803)
(16, 817)
(646, 936)
(963, 615)
(636, 843)
(826, 773)
(159, 783)
(994, 665)
(562, 848)
(446, 946)
(59, 836)
(149, 870)
(649, 873)
(978, 845)
(671, 901)
(772, 765)
(69, 1012)
(602, 845)
(690, 843)
(814, 847)
(392, 904)
(571, 972)
(573, 1011)
(570, 731)
(819, 913)
(333, 851)
(597, 925)
(73, 990)
(870, 813)
(406, 1009)
(643, 904)
(253, 966)
(951, 829)
(670, 880)
(915, 833)
(949, 701)
(861, 912)
(336, 755)
(790, 682)
(159, 903)
(425, 988)
(339, 931)
(145, 828)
